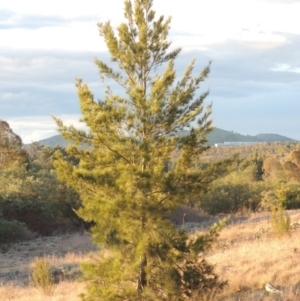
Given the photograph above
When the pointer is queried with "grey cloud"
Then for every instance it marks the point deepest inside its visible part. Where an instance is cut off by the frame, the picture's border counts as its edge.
(44, 87)
(11, 20)
(45, 67)
(247, 95)
(6, 14)
(43, 82)
(244, 68)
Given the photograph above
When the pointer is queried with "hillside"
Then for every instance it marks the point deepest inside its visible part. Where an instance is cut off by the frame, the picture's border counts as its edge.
(216, 136)
(273, 137)
(247, 254)
(221, 136)
(54, 141)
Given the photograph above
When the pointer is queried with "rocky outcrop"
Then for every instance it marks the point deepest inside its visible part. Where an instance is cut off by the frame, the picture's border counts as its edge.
(11, 149)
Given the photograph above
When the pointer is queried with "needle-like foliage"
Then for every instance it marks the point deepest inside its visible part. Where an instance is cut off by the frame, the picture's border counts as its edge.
(128, 175)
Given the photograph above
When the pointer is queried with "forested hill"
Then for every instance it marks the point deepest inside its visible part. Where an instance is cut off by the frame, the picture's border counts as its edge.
(221, 136)
(216, 136)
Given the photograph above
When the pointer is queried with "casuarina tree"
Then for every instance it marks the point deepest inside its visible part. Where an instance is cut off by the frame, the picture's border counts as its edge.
(136, 165)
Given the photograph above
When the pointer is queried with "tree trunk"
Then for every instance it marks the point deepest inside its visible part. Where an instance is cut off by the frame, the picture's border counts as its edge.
(142, 279)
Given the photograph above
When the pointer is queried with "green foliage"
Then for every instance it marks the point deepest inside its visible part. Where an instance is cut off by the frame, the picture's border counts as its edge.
(252, 167)
(127, 187)
(282, 195)
(231, 197)
(192, 276)
(238, 191)
(258, 181)
(41, 275)
(36, 197)
(11, 231)
(280, 222)
(289, 195)
(276, 201)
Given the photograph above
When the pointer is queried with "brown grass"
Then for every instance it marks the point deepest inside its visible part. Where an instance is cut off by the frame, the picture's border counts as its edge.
(247, 255)
(62, 249)
(69, 249)
(64, 291)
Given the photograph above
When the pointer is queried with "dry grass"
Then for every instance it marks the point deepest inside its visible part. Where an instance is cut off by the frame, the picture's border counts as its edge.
(247, 255)
(62, 249)
(59, 250)
(64, 291)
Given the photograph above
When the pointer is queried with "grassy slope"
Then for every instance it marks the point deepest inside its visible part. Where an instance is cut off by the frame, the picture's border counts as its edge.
(249, 255)
(245, 255)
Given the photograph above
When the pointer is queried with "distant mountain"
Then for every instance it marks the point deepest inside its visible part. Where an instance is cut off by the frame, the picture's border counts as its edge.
(216, 136)
(274, 137)
(54, 141)
(221, 136)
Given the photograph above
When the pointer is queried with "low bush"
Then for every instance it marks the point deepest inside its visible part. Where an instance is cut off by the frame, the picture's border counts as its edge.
(12, 231)
(231, 198)
(280, 222)
(37, 198)
(41, 276)
(281, 195)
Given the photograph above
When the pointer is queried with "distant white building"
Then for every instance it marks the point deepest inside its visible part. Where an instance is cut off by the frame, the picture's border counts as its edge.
(225, 144)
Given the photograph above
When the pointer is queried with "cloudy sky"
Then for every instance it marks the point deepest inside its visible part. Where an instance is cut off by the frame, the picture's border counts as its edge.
(253, 45)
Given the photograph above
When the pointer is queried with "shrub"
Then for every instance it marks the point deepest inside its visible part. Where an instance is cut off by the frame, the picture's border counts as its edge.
(282, 195)
(290, 195)
(12, 231)
(231, 198)
(36, 198)
(280, 222)
(41, 276)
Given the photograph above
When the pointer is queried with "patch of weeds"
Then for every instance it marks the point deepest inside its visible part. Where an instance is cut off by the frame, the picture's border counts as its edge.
(280, 222)
(295, 226)
(261, 232)
(41, 276)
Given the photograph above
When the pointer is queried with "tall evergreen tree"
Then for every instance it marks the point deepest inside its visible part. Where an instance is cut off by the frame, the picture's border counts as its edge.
(126, 180)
